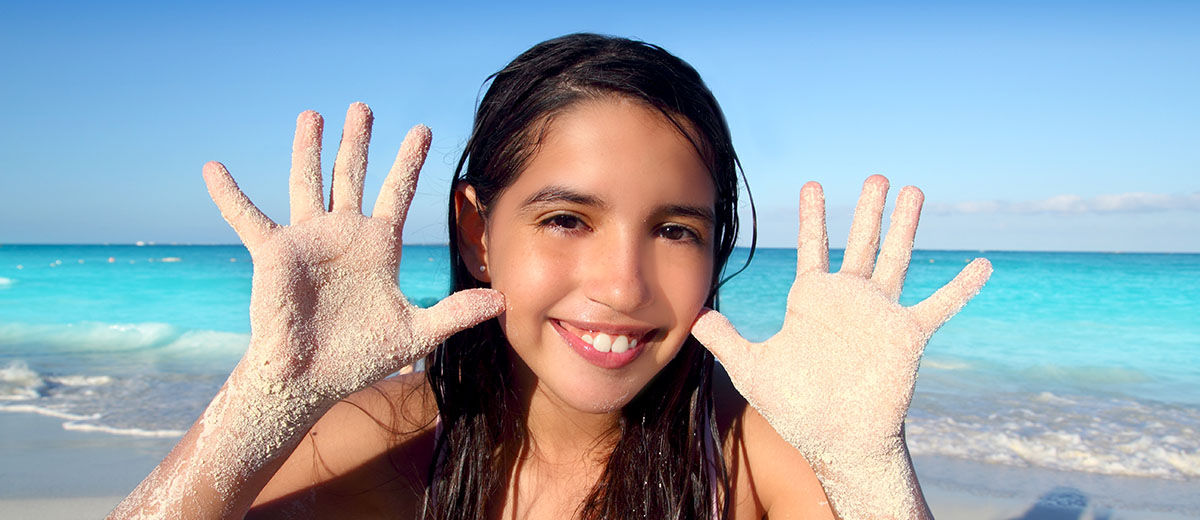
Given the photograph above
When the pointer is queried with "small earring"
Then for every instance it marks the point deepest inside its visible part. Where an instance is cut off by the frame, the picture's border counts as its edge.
(482, 268)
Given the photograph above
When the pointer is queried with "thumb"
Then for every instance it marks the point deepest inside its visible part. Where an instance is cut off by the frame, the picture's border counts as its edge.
(461, 310)
(947, 301)
(714, 331)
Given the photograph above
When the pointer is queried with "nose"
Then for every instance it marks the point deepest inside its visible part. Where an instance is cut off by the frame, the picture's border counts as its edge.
(620, 273)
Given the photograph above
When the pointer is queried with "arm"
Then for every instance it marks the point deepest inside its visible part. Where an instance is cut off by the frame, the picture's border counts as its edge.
(226, 457)
(836, 382)
(769, 478)
(327, 319)
(366, 457)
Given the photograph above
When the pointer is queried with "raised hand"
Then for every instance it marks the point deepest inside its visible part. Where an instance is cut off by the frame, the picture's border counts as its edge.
(325, 306)
(836, 382)
(327, 319)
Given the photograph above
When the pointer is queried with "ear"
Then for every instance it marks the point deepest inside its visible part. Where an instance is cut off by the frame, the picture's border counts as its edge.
(472, 231)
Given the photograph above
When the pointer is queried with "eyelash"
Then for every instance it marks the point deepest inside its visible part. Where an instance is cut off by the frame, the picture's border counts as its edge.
(556, 223)
(690, 235)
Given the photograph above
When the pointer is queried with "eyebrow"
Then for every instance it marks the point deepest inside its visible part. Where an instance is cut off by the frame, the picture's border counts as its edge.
(552, 194)
(697, 212)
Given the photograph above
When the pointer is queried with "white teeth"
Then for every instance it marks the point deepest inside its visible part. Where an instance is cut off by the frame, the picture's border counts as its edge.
(603, 342)
(620, 344)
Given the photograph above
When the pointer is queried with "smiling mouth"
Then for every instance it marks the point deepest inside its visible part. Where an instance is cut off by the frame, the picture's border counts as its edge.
(603, 345)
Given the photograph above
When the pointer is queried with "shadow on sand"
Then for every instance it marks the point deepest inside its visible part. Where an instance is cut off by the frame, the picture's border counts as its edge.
(1062, 503)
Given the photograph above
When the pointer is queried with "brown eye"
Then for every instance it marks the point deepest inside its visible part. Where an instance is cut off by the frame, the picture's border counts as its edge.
(565, 222)
(673, 232)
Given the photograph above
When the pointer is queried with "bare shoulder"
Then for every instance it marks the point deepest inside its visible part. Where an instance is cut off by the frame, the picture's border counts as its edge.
(367, 456)
(769, 477)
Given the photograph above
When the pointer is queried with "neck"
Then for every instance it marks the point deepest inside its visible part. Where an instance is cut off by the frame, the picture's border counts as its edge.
(559, 433)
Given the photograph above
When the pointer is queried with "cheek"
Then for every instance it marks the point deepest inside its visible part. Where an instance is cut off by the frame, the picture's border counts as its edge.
(686, 282)
(523, 269)
(531, 279)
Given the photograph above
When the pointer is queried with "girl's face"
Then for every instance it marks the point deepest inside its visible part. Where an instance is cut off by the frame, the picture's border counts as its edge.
(603, 248)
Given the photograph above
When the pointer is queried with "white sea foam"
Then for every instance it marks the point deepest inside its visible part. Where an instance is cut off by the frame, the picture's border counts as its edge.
(132, 432)
(22, 387)
(48, 412)
(80, 380)
(135, 379)
(1047, 397)
(18, 382)
(1068, 433)
(5, 282)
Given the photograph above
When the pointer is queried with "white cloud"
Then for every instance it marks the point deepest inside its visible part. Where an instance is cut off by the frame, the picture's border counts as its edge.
(1134, 202)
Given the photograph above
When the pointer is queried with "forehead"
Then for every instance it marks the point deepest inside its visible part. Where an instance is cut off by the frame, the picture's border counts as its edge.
(618, 149)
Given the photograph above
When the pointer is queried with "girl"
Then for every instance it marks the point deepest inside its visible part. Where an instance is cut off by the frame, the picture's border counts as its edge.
(591, 216)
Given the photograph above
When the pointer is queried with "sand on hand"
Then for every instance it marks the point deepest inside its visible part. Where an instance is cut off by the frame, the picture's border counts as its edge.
(326, 313)
(837, 380)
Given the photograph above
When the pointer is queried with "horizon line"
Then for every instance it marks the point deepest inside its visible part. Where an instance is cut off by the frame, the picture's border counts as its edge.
(445, 244)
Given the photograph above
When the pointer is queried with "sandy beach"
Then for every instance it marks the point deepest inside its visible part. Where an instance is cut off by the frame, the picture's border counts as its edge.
(963, 489)
(51, 473)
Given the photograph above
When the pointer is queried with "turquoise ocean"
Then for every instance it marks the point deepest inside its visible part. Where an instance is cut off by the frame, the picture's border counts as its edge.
(1077, 362)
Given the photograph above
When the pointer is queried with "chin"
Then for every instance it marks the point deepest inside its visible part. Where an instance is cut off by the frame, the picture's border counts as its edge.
(600, 401)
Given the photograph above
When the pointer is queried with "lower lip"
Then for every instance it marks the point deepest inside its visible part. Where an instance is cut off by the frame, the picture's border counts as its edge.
(595, 357)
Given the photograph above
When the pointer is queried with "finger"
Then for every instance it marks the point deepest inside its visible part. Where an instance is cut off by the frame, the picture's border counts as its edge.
(461, 310)
(715, 332)
(812, 251)
(859, 257)
(894, 256)
(401, 182)
(304, 185)
(948, 300)
(350, 166)
(247, 221)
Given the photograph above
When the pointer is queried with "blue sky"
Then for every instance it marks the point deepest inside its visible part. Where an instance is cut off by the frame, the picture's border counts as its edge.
(1030, 125)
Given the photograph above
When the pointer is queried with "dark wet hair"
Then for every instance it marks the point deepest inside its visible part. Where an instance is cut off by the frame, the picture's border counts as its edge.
(667, 462)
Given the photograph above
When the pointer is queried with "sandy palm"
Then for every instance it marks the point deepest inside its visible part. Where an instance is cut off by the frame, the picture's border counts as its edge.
(840, 374)
(325, 306)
